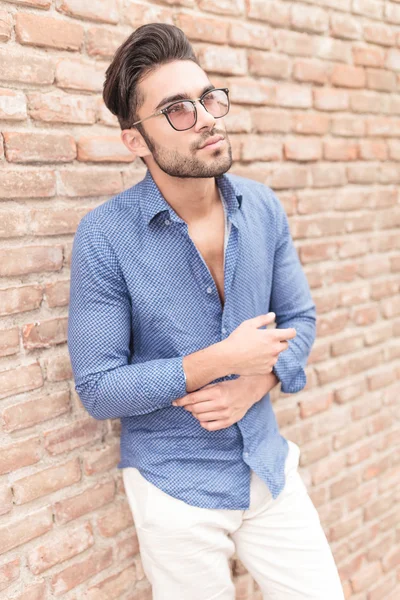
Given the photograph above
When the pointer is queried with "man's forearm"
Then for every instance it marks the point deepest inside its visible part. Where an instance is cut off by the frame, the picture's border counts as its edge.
(203, 366)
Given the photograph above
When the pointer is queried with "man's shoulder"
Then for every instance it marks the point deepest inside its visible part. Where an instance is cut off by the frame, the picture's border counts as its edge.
(116, 210)
(254, 190)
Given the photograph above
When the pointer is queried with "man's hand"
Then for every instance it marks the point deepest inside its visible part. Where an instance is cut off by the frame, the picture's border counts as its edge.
(220, 405)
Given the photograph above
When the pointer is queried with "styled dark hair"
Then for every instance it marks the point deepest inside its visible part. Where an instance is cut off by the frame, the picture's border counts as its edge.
(144, 50)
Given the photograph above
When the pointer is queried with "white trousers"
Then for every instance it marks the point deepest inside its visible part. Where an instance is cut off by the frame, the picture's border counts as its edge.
(185, 550)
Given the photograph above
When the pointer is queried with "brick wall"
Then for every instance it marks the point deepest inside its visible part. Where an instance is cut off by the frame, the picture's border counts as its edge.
(316, 116)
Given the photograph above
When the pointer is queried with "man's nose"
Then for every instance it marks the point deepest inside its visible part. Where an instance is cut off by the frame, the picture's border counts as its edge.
(204, 118)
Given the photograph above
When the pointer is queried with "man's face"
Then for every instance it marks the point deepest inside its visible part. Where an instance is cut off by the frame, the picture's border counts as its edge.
(180, 153)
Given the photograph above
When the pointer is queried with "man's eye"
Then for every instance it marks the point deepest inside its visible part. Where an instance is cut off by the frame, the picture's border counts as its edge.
(176, 108)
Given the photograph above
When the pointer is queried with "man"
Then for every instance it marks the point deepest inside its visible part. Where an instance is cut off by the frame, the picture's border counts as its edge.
(173, 283)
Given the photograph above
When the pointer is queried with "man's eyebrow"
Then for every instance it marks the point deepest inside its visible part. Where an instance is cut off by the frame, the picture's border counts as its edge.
(182, 96)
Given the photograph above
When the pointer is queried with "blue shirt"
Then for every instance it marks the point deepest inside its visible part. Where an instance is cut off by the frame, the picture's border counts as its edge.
(142, 298)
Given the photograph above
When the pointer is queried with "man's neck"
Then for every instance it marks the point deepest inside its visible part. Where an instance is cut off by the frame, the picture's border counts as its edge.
(193, 199)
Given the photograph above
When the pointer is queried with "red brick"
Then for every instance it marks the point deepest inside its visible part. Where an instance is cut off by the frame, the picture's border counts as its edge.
(104, 116)
(315, 404)
(327, 468)
(114, 586)
(347, 126)
(45, 334)
(379, 33)
(330, 99)
(101, 459)
(358, 455)
(390, 307)
(322, 177)
(12, 105)
(379, 79)
(383, 589)
(90, 182)
(27, 184)
(9, 341)
(103, 42)
(296, 149)
(21, 379)
(314, 451)
(104, 11)
(103, 148)
(310, 123)
(368, 56)
(268, 64)
(289, 176)
(35, 30)
(91, 499)
(373, 150)
(247, 91)
(6, 502)
(348, 76)
(44, 4)
(59, 107)
(256, 147)
(225, 60)
(251, 35)
(275, 13)
(74, 435)
(29, 259)
(392, 13)
(203, 29)
(366, 577)
(19, 532)
(369, 9)
(39, 147)
(137, 14)
(117, 518)
(286, 415)
(344, 26)
(18, 455)
(309, 18)
(310, 202)
(37, 591)
(80, 75)
(37, 70)
(316, 252)
(294, 43)
(238, 120)
(347, 345)
(344, 528)
(63, 545)
(79, 572)
(9, 572)
(12, 224)
(57, 293)
(128, 547)
(310, 70)
(46, 481)
(224, 7)
(58, 368)
(294, 96)
(6, 25)
(267, 120)
(56, 222)
(26, 414)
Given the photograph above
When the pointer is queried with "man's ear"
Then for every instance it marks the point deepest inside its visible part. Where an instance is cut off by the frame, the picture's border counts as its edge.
(135, 143)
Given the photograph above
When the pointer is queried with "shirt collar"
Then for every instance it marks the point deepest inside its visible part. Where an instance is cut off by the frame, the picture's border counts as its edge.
(153, 202)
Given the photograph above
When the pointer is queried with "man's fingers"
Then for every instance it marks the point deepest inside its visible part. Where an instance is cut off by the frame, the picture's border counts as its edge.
(284, 334)
(194, 397)
(215, 425)
(202, 407)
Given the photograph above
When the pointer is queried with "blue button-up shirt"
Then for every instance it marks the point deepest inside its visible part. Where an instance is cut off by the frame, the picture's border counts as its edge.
(142, 298)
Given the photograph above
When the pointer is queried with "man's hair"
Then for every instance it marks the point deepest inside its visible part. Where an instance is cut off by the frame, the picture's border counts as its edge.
(145, 49)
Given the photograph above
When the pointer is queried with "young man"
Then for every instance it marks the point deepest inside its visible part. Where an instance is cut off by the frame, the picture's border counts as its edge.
(173, 283)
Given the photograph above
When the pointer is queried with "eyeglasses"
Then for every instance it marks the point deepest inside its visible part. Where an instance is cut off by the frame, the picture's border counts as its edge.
(182, 115)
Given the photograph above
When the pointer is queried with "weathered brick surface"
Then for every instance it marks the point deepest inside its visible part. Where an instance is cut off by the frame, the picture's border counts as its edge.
(315, 115)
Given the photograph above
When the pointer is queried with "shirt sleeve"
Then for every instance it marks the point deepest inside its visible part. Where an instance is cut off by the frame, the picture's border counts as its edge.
(293, 305)
(100, 337)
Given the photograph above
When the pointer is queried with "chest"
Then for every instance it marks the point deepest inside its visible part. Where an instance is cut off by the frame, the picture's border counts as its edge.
(209, 239)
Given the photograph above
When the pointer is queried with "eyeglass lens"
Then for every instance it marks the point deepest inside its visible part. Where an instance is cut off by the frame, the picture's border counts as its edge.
(183, 114)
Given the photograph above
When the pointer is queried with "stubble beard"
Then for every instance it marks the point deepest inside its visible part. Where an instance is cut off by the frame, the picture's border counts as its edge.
(176, 165)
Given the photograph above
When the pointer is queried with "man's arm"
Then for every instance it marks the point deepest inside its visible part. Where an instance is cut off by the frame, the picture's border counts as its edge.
(99, 330)
(293, 305)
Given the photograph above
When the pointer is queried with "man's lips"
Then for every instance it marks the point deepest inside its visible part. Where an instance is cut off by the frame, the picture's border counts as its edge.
(212, 141)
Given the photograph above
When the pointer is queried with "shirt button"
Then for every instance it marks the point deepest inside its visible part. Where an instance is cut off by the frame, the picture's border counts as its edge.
(245, 454)
(223, 330)
(167, 222)
(209, 290)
